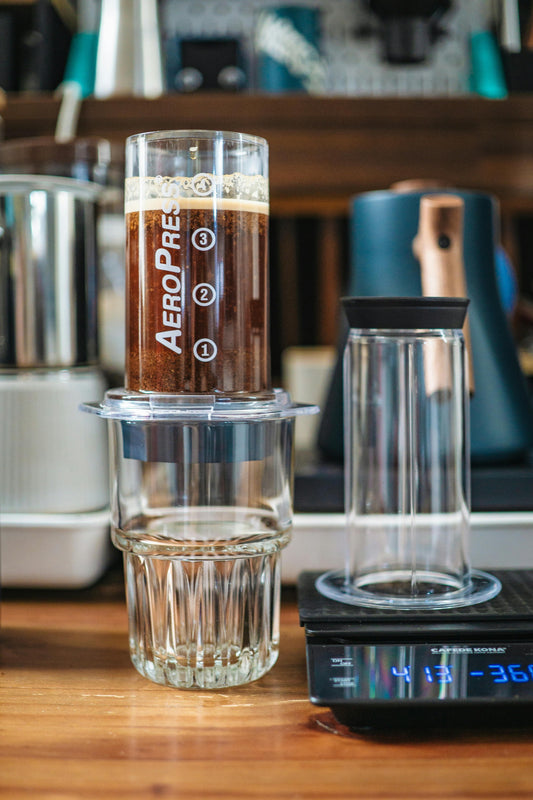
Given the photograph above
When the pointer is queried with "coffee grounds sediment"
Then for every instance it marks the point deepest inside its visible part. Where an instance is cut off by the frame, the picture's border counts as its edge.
(236, 321)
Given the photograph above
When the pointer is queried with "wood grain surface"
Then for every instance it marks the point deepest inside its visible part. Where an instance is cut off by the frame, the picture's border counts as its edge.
(324, 150)
(77, 721)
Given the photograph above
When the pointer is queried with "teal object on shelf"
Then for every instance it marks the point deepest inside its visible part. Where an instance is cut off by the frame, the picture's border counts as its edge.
(288, 50)
(383, 226)
(487, 76)
(81, 62)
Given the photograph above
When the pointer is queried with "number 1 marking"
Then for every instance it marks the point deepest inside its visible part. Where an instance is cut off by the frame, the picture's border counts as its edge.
(205, 350)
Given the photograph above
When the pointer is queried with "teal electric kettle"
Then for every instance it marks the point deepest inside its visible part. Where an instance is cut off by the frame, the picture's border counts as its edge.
(384, 226)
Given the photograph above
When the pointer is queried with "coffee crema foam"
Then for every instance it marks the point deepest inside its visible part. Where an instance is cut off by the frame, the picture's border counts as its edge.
(197, 204)
(203, 191)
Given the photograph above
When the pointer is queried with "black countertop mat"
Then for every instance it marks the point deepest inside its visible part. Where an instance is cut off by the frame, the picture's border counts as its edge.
(514, 602)
(319, 487)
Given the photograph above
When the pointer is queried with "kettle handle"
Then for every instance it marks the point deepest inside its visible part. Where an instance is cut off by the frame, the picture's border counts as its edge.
(438, 246)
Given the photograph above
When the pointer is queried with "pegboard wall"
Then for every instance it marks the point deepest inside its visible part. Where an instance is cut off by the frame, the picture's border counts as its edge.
(355, 66)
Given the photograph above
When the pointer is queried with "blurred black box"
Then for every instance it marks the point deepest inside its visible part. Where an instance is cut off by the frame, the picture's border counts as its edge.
(205, 64)
(518, 70)
(34, 46)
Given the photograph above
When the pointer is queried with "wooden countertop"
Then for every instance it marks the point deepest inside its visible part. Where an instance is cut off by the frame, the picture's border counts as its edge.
(77, 721)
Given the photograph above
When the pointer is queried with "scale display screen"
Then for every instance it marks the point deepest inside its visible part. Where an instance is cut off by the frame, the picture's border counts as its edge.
(395, 672)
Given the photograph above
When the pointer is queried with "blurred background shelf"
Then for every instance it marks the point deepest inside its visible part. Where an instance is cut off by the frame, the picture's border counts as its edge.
(323, 150)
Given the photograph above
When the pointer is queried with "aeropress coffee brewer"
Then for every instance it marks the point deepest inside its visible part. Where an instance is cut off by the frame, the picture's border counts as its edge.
(201, 444)
(406, 632)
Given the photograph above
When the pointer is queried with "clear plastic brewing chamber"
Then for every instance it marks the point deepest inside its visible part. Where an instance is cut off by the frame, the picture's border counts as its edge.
(407, 458)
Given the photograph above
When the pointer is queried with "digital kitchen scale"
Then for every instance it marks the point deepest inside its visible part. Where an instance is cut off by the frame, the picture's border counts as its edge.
(461, 667)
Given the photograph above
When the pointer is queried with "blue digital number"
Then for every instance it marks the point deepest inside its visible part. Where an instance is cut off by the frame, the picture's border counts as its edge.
(439, 673)
(517, 673)
(512, 672)
(402, 673)
(443, 673)
(498, 673)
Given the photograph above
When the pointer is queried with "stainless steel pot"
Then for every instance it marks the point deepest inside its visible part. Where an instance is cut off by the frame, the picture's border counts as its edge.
(48, 271)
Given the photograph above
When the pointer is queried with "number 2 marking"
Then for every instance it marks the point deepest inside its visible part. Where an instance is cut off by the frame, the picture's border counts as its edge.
(204, 294)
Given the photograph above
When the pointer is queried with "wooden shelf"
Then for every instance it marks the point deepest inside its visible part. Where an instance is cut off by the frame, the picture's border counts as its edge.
(324, 150)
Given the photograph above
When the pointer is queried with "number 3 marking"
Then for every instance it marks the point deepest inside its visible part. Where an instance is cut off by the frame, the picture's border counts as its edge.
(203, 239)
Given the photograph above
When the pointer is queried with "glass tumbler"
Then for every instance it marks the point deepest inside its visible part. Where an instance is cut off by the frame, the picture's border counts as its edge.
(201, 508)
(407, 470)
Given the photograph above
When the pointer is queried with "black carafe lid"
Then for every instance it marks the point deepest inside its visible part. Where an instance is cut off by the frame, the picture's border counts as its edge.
(405, 313)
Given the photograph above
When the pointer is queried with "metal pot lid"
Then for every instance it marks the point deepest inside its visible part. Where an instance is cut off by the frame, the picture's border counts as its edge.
(24, 184)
